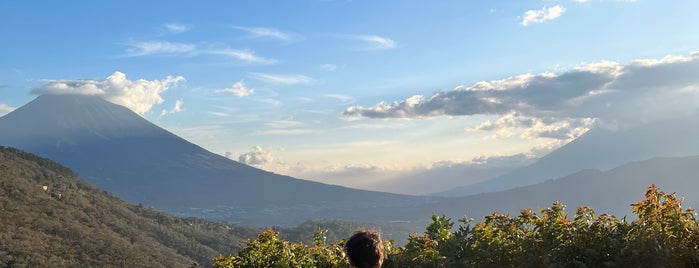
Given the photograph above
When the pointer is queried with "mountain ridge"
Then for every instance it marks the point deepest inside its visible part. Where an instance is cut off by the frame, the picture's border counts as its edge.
(610, 191)
(128, 156)
(599, 149)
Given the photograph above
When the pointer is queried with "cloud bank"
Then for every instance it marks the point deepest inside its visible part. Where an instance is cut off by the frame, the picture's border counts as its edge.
(642, 90)
(435, 177)
(139, 95)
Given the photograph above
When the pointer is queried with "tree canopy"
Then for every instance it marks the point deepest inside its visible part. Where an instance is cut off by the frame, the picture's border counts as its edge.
(663, 234)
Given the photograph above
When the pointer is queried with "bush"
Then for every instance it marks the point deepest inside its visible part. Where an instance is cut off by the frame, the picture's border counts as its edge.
(663, 235)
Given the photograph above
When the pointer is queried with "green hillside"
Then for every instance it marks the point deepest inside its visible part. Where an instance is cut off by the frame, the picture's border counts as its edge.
(51, 218)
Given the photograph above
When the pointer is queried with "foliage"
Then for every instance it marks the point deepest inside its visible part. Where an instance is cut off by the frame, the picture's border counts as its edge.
(663, 235)
(336, 230)
(269, 250)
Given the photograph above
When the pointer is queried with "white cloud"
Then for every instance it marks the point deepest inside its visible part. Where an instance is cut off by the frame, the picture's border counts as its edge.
(605, 91)
(242, 55)
(175, 28)
(374, 42)
(530, 127)
(257, 157)
(219, 114)
(328, 67)
(270, 33)
(239, 90)
(5, 109)
(146, 48)
(139, 95)
(435, 177)
(176, 109)
(164, 48)
(517, 160)
(542, 15)
(282, 79)
(344, 99)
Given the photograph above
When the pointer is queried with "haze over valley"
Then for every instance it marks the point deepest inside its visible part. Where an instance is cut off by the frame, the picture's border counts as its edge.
(241, 116)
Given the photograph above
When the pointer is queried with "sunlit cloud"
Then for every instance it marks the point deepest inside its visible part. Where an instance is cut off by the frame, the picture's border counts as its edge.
(239, 90)
(282, 79)
(269, 33)
(529, 127)
(176, 109)
(139, 95)
(5, 109)
(560, 103)
(542, 15)
(374, 42)
(257, 157)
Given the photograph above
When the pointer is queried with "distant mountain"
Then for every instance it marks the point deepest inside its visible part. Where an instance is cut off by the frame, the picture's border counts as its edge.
(609, 191)
(599, 149)
(51, 218)
(124, 154)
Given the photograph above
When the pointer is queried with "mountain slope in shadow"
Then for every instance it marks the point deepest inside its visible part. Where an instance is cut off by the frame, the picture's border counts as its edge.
(609, 191)
(599, 149)
(124, 154)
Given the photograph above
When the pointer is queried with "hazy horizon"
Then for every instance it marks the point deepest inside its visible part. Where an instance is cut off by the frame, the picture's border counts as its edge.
(370, 95)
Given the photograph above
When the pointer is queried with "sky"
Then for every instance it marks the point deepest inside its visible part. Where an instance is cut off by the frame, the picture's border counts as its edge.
(401, 96)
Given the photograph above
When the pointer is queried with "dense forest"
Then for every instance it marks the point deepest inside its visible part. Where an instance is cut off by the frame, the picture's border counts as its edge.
(663, 234)
(51, 218)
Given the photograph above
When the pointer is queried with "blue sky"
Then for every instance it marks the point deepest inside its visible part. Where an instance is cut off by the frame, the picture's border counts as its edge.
(368, 94)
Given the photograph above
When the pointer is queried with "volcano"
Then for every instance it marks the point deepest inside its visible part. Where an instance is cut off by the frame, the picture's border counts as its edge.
(124, 154)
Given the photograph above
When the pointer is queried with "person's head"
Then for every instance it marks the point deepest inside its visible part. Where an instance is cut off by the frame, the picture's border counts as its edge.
(365, 249)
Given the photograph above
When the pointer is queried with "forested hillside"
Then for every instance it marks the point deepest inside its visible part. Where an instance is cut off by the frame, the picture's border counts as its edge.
(51, 218)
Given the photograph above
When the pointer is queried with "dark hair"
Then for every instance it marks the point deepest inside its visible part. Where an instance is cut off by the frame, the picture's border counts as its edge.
(365, 249)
